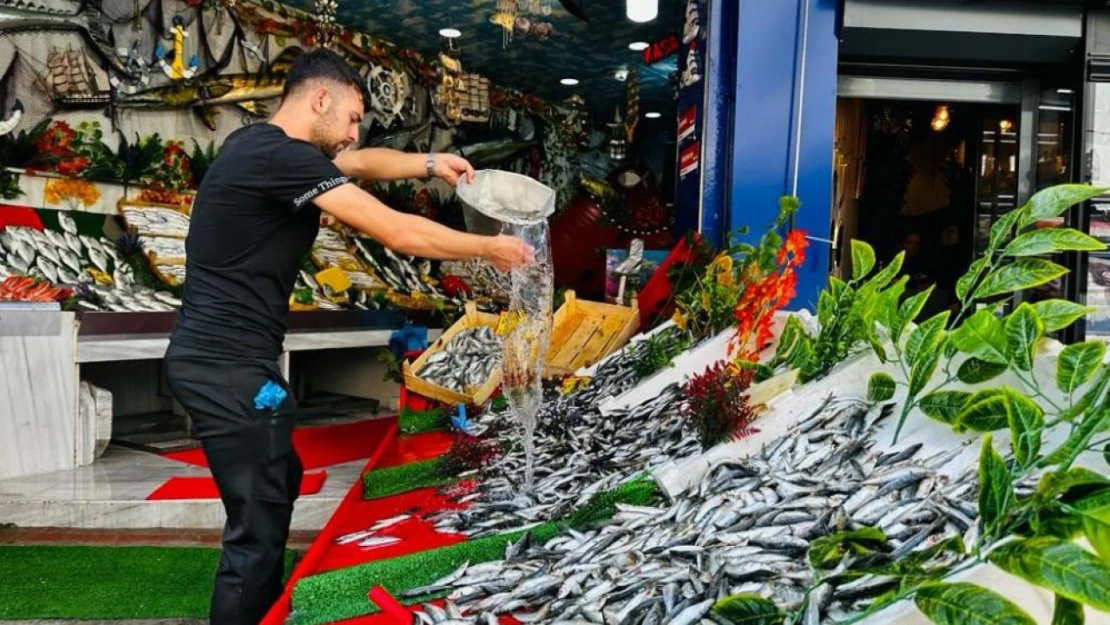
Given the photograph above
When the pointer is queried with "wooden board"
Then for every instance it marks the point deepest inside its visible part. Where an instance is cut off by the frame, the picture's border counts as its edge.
(474, 396)
(584, 332)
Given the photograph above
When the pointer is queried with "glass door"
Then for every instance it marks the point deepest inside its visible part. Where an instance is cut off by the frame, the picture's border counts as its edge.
(1095, 267)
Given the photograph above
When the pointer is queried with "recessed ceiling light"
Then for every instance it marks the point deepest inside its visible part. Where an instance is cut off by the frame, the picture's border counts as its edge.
(653, 115)
(1065, 91)
(642, 10)
(450, 33)
(621, 75)
(570, 82)
(638, 46)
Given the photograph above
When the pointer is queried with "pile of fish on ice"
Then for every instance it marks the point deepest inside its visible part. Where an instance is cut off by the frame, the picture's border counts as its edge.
(579, 453)
(67, 258)
(745, 529)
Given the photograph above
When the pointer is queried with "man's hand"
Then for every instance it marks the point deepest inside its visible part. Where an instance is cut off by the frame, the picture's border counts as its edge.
(506, 252)
(450, 168)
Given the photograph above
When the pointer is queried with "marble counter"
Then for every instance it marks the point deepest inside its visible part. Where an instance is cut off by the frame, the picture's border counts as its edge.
(38, 392)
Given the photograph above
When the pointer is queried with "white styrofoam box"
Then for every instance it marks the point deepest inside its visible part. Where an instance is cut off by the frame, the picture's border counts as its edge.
(849, 379)
(690, 362)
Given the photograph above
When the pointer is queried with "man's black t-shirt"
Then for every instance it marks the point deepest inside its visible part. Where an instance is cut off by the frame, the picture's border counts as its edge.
(253, 221)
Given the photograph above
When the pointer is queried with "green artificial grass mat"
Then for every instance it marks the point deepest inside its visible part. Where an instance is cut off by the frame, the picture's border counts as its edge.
(420, 421)
(402, 479)
(341, 594)
(78, 582)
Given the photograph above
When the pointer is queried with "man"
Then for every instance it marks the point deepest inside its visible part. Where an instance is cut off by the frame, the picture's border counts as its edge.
(255, 216)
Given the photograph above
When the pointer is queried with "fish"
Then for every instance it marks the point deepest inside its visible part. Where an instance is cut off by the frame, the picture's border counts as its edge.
(47, 268)
(405, 138)
(492, 152)
(66, 222)
(73, 242)
(200, 96)
(467, 360)
(670, 562)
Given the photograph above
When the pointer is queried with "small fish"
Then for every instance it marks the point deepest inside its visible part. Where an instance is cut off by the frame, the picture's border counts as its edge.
(66, 222)
(379, 541)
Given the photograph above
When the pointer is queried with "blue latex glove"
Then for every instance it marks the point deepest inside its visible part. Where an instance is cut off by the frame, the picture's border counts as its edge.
(460, 421)
(270, 396)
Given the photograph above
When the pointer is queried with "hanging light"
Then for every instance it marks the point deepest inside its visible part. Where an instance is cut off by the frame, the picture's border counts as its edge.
(940, 118)
(642, 10)
(1005, 125)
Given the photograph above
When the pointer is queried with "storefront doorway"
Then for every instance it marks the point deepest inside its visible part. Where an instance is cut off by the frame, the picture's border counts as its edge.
(927, 166)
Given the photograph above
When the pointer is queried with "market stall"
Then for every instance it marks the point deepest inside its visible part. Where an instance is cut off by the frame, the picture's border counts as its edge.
(864, 465)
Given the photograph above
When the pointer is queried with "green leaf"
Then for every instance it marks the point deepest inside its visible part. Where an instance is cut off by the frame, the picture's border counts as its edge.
(748, 609)
(1002, 228)
(926, 337)
(1095, 421)
(1078, 364)
(961, 603)
(880, 387)
(986, 411)
(909, 311)
(983, 336)
(968, 280)
(996, 492)
(1023, 330)
(1067, 612)
(886, 307)
(1026, 420)
(826, 308)
(923, 351)
(888, 273)
(1060, 566)
(829, 550)
(1096, 526)
(975, 371)
(1052, 241)
(863, 259)
(944, 406)
(1058, 314)
(1057, 483)
(1053, 201)
(1089, 398)
(1024, 273)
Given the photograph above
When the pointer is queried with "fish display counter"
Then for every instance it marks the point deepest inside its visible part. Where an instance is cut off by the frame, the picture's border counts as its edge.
(51, 357)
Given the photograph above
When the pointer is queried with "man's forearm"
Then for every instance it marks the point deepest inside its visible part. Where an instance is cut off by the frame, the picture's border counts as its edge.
(382, 164)
(428, 239)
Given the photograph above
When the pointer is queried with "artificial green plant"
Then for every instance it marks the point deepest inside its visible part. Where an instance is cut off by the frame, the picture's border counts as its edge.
(1030, 536)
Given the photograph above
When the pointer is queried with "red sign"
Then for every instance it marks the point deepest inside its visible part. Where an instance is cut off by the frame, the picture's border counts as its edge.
(687, 122)
(688, 160)
(661, 49)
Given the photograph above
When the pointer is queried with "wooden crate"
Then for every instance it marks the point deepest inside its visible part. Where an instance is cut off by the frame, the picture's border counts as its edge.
(585, 332)
(476, 396)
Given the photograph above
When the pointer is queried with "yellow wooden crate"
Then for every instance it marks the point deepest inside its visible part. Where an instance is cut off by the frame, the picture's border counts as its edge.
(472, 318)
(584, 332)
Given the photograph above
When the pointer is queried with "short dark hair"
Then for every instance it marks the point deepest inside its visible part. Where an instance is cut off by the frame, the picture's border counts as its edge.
(322, 64)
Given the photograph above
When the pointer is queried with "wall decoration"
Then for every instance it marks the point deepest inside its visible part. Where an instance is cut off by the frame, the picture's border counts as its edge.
(9, 124)
(388, 91)
(692, 25)
(176, 69)
(633, 116)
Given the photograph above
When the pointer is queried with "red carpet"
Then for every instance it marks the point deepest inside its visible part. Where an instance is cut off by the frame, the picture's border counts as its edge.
(416, 448)
(205, 487)
(320, 446)
(416, 534)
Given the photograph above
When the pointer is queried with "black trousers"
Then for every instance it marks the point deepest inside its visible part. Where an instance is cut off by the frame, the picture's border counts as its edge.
(251, 456)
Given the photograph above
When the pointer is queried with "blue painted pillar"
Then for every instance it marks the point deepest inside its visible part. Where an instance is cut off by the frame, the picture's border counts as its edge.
(783, 118)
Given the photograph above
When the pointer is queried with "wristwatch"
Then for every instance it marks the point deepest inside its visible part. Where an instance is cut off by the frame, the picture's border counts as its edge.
(431, 165)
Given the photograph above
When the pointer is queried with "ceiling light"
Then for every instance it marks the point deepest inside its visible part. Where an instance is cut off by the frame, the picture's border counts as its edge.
(621, 75)
(1065, 91)
(639, 46)
(450, 33)
(570, 82)
(642, 10)
(653, 115)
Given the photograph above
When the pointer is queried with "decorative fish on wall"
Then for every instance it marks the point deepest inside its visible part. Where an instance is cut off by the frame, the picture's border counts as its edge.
(203, 94)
